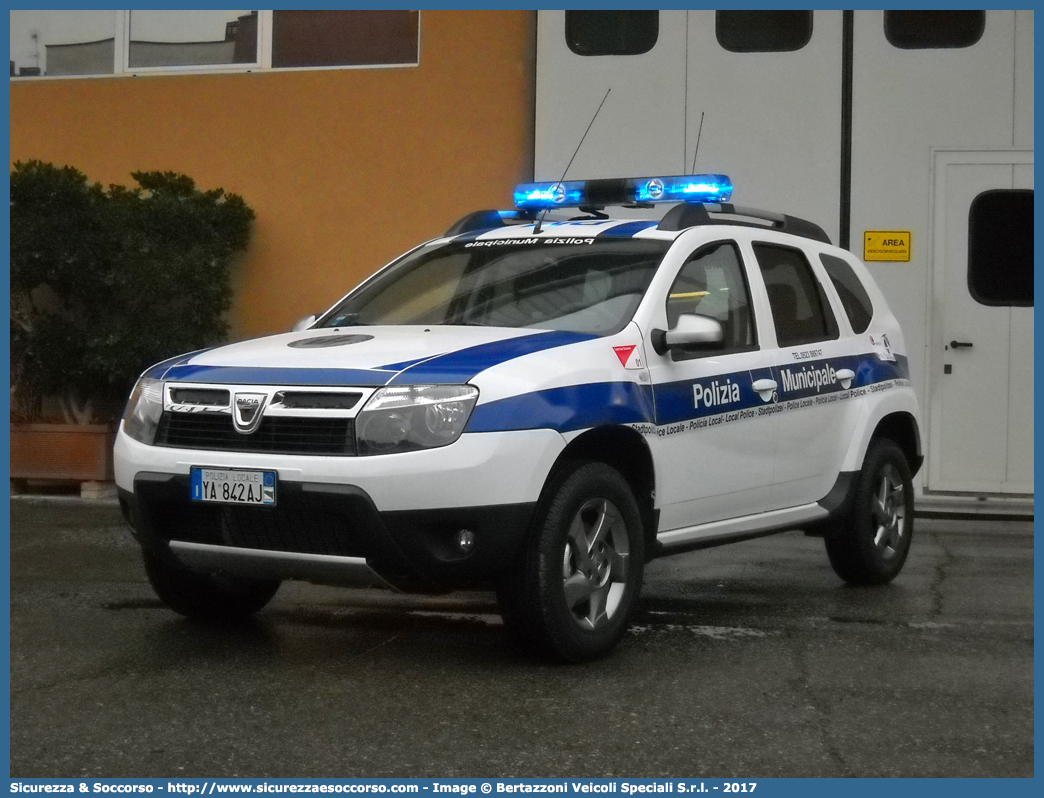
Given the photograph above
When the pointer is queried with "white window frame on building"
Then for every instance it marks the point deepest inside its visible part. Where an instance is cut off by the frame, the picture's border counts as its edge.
(265, 24)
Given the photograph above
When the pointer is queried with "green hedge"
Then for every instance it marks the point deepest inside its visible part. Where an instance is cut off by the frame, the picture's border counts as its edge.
(106, 281)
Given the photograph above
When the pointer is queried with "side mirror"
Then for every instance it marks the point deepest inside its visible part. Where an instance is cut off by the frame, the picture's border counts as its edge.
(692, 332)
(304, 324)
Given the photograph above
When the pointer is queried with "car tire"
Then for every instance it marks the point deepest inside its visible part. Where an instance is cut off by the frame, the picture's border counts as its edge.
(574, 586)
(870, 545)
(206, 597)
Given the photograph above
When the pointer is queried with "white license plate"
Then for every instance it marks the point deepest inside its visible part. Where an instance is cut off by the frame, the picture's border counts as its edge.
(233, 486)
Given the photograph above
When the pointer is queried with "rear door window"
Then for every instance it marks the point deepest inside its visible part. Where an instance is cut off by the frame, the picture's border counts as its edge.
(800, 311)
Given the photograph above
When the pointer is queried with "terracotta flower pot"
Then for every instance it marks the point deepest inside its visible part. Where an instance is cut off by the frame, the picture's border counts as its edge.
(62, 451)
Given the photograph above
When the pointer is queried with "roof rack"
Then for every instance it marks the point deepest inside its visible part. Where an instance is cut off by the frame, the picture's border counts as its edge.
(681, 217)
(487, 220)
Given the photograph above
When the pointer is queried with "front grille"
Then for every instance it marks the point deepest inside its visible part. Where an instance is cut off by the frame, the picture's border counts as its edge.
(276, 435)
(200, 396)
(314, 399)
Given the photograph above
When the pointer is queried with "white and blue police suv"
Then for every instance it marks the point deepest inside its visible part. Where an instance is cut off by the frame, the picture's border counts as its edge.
(539, 404)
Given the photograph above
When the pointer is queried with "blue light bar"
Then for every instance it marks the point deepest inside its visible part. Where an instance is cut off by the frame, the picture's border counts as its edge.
(623, 191)
(537, 196)
(693, 188)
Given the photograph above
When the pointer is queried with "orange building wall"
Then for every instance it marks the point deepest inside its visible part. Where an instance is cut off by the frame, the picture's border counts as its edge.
(345, 168)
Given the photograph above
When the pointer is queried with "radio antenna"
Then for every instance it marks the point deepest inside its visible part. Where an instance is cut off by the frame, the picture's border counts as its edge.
(543, 213)
(698, 134)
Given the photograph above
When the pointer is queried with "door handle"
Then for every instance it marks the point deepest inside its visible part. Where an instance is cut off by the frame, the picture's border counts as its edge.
(763, 385)
(844, 374)
(961, 345)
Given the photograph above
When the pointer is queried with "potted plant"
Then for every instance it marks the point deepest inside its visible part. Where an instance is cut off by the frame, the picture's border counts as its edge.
(105, 282)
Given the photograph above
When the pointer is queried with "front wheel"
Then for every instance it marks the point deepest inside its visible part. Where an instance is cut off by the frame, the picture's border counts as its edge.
(576, 582)
(206, 597)
(870, 546)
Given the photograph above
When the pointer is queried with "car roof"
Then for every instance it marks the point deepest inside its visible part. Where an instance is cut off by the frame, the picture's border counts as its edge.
(575, 227)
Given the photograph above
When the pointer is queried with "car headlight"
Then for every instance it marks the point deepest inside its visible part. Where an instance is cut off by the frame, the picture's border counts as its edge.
(144, 409)
(410, 417)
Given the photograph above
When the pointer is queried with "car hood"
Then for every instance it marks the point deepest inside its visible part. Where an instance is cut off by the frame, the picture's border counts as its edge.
(378, 355)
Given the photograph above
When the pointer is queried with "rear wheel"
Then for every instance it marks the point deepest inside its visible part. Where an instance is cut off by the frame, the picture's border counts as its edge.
(206, 597)
(871, 545)
(574, 587)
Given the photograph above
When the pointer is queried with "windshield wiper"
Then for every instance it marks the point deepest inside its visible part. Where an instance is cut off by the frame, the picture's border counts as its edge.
(347, 320)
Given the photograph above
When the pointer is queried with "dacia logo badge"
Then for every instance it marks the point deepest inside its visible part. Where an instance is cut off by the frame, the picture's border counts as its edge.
(247, 411)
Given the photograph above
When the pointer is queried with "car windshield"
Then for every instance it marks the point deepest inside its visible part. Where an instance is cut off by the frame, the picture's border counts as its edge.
(587, 285)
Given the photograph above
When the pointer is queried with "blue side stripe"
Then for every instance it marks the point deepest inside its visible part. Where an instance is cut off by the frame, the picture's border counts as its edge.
(453, 367)
(675, 401)
(871, 369)
(565, 409)
(462, 365)
(595, 404)
(251, 375)
(156, 372)
(405, 364)
(626, 230)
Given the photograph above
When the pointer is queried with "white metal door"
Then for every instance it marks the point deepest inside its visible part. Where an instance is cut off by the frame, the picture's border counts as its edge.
(771, 121)
(981, 425)
(639, 130)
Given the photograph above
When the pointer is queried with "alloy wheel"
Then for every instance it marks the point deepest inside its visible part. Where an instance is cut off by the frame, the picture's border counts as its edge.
(595, 563)
(888, 506)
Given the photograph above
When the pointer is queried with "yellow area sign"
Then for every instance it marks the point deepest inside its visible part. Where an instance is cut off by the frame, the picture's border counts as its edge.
(891, 245)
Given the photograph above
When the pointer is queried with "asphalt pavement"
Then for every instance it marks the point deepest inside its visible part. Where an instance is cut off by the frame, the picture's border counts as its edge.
(751, 660)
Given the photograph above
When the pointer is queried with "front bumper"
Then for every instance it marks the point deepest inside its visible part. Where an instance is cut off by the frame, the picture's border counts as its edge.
(488, 468)
(325, 533)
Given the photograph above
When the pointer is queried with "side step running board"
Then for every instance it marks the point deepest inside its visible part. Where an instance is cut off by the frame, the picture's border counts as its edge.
(704, 536)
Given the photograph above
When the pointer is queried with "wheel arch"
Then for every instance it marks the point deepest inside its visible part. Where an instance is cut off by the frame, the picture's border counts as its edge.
(894, 420)
(901, 428)
(626, 450)
(889, 414)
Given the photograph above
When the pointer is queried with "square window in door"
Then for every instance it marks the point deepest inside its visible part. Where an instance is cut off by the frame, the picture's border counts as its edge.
(1000, 248)
(933, 30)
(611, 32)
(763, 31)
